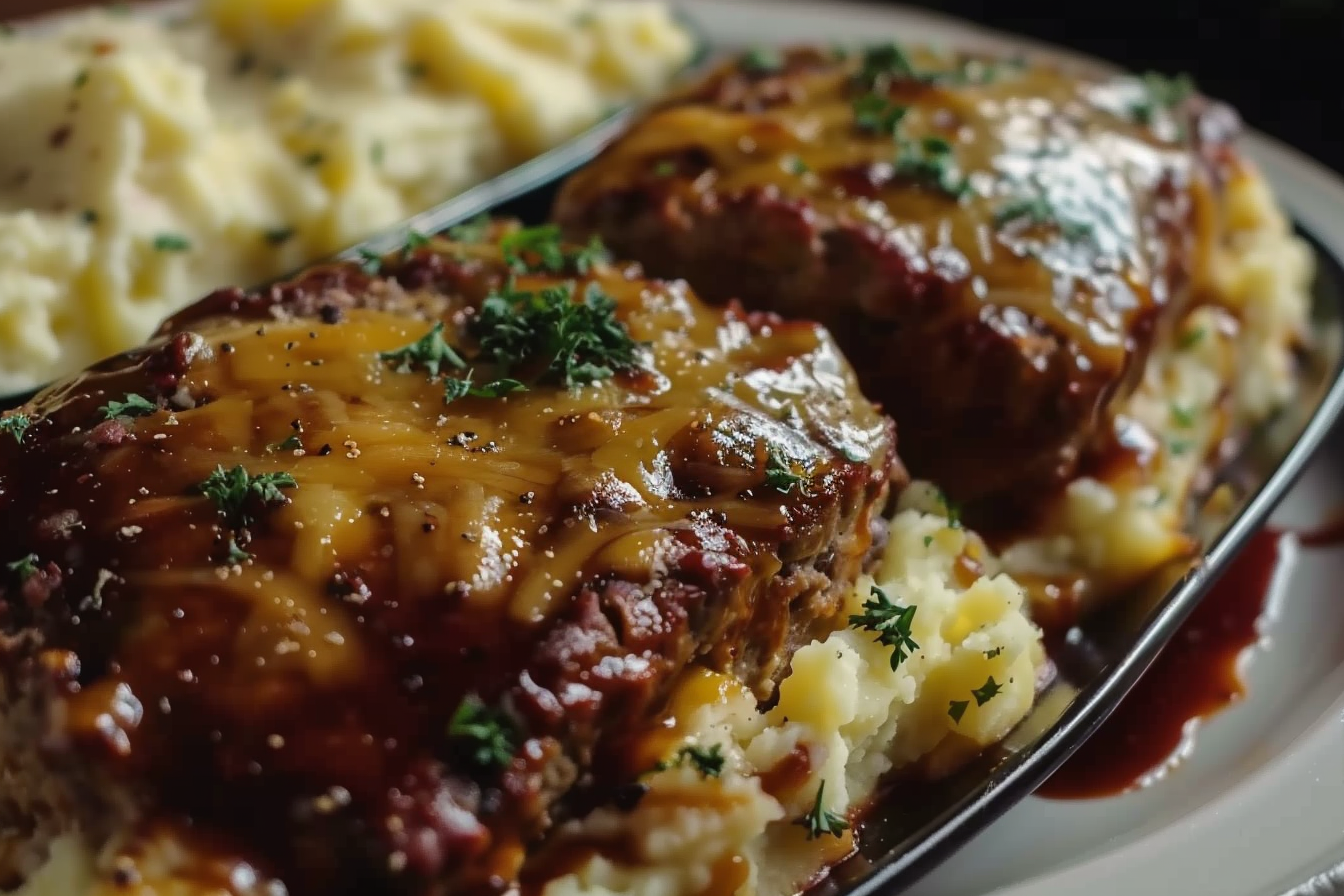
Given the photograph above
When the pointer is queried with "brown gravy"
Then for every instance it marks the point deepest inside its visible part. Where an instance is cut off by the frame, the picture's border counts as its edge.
(1193, 678)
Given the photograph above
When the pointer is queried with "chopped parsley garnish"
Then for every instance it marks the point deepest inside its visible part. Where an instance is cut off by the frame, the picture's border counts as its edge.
(1182, 416)
(454, 389)
(132, 406)
(430, 352)
(544, 244)
(416, 69)
(415, 240)
(81, 78)
(25, 567)
(89, 216)
(292, 442)
(761, 61)
(1179, 447)
(1161, 92)
(1038, 210)
(886, 62)
(987, 691)
(244, 62)
(819, 820)
(278, 236)
(874, 114)
(236, 555)
(665, 168)
(1191, 338)
(313, 159)
(956, 709)
(370, 262)
(472, 231)
(990, 654)
(580, 342)
(931, 162)
(16, 425)
(171, 242)
(231, 490)
(377, 152)
(890, 623)
(951, 510)
(928, 540)
(778, 474)
(488, 735)
(795, 165)
(707, 761)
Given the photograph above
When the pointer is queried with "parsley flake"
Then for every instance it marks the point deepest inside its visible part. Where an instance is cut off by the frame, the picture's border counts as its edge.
(707, 761)
(987, 692)
(581, 342)
(956, 709)
(430, 351)
(779, 474)
(232, 491)
(25, 567)
(292, 442)
(415, 240)
(950, 510)
(132, 406)
(795, 165)
(370, 262)
(1160, 92)
(819, 820)
(89, 216)
(990, 654)
(1179, 447)
(313, 159)
(1038, 210)
(454, 389)
(278, 236)
(377, 152)
(761, 61)
(874, 114)
(1190, 338)
(891, 624)
(81, 78)
(472, 231)
(1184, 417)
(171, 242)
(16, 425)
(542, 242)
(933, 163)
(488, 735)
(235, 555)
(665, 168)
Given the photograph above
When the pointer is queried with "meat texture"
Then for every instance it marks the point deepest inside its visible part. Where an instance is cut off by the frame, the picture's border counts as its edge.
(362, 573)
(995, 245)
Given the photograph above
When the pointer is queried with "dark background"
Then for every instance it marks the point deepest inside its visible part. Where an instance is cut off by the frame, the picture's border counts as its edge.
(1280, 64)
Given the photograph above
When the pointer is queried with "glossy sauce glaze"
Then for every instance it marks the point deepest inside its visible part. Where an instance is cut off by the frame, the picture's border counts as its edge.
(1195, 676)
(288, 675)
(995, 244)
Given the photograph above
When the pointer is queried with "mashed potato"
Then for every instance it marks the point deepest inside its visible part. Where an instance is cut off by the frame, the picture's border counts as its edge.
(1228, 369)
(147, 161)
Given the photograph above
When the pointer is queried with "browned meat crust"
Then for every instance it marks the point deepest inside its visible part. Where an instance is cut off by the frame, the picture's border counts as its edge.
(290, 672)
(995, 246)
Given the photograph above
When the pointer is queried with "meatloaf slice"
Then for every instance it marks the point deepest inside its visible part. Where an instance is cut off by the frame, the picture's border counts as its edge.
(995, 245)
(351, 579)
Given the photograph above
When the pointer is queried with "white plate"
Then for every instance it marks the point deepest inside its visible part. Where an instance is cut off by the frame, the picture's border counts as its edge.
(1259, 807)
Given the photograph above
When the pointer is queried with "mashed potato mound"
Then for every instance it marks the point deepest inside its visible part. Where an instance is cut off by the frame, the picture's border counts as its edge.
(147, 162)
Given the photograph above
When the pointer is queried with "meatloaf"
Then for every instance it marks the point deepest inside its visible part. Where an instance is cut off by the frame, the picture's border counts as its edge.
(996, 245)
(355, 584)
